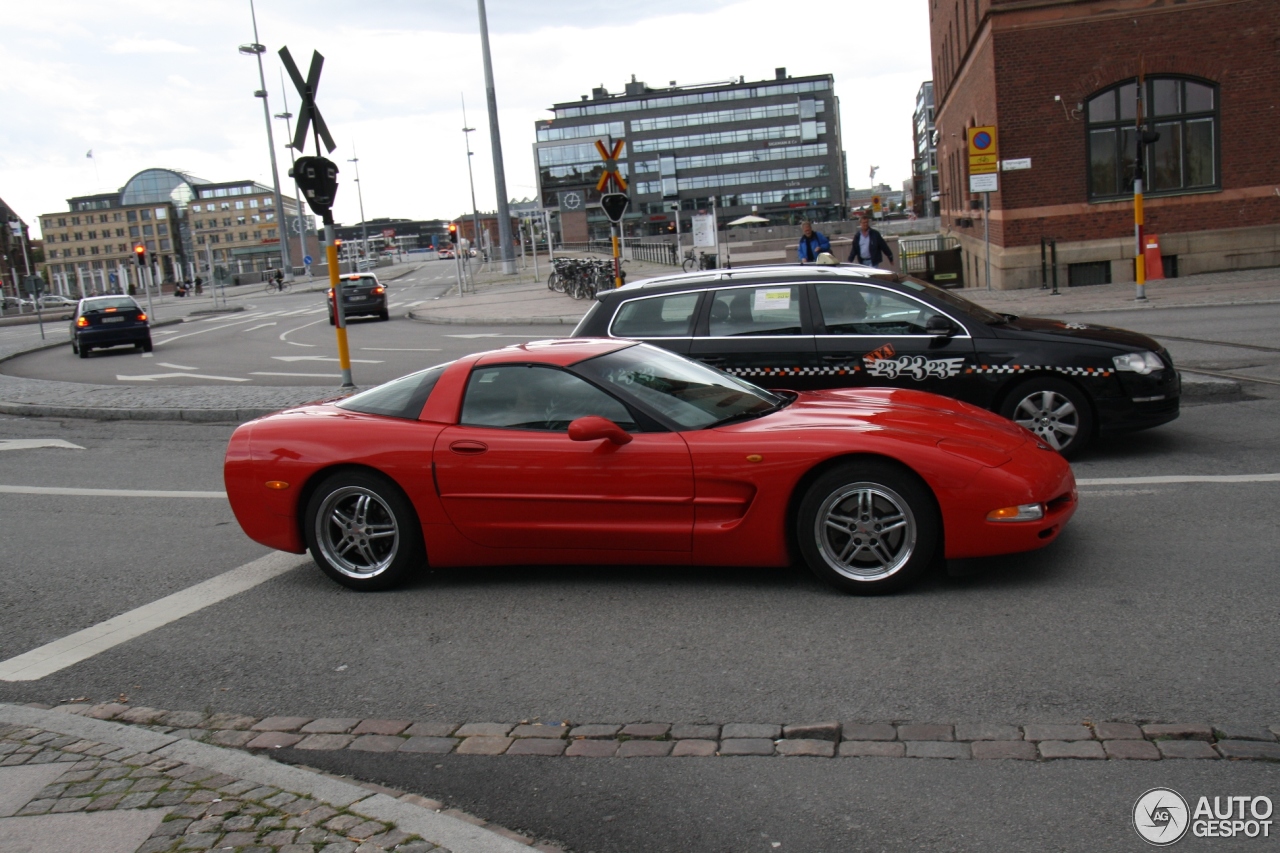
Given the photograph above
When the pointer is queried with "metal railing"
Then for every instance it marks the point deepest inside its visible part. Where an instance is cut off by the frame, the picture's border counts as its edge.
(914, 254)
(655, 252)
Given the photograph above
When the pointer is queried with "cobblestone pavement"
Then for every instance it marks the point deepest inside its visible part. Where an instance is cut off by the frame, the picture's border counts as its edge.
(203, 797)
(1139, 740)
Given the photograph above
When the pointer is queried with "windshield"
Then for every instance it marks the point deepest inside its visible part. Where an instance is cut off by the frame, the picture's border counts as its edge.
(691, 394)
(951, 300)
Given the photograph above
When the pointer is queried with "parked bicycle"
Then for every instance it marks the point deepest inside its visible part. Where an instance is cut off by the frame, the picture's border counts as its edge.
(704, 261)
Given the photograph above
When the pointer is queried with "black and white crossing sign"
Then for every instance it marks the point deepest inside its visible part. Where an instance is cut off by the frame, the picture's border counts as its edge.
(309, 112)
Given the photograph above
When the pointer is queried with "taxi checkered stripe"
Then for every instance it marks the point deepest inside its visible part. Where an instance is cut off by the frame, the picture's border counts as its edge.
(1025, 368)
(794, 371)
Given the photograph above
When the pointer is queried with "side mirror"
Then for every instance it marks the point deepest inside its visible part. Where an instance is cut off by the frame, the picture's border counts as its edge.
(939, 325)
(594, 428)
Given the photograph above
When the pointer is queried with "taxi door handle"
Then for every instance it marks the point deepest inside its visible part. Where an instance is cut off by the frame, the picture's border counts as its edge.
(839, 358)
(468, 448)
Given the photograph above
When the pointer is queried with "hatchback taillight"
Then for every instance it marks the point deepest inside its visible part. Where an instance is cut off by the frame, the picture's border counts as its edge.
(142, 318)
(82, 322)
(379, 289)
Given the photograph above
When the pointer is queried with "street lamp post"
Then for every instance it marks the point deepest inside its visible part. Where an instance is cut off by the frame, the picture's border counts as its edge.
(475, 211)
(255, 49)
(364, 226)
(495, 141)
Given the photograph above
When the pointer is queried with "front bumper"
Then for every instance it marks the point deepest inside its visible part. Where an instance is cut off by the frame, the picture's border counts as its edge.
(1147, 401)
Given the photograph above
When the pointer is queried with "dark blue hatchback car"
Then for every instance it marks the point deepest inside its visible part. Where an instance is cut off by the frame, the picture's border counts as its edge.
(109, 321)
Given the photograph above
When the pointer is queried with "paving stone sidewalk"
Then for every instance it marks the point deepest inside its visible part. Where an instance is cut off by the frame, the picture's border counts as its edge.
(1151, 741)
(171, 794)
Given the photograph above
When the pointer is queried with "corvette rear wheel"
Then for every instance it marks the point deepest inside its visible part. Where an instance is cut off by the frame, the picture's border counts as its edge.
(868, 527)
(1055, 410)
(363, 532)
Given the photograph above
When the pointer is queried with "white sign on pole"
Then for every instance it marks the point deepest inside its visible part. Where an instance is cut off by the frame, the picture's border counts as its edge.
(1015, 165)
(704, 230)
(984, 183)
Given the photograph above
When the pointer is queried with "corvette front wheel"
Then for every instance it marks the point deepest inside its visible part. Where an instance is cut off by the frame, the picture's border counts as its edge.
(868, 527)
(363, 532)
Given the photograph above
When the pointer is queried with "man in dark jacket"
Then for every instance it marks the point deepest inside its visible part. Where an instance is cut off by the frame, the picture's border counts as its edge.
(869, 247)
(812, 243)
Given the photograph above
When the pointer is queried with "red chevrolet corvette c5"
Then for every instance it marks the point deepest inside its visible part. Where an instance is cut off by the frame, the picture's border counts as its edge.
(609, 452)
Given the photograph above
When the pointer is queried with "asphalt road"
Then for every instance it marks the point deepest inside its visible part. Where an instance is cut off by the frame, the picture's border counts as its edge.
(1157, 603)
(281, 339)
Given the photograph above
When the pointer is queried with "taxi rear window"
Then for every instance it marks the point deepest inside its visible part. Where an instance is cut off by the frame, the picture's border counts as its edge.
(669, 316)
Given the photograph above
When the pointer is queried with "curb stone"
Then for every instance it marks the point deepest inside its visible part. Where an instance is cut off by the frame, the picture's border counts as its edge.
(1083, 741)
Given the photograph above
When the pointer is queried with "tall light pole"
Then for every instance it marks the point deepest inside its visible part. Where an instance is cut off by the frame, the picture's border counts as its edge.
(475, 211)
(297, 193)
(256, 49)
(495, 140)
(364, 227)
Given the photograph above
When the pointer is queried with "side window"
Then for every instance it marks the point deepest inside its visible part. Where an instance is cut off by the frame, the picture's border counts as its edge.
(518, 396)
(755, 311)
(656, 317)
(399, 398)
(850, 309)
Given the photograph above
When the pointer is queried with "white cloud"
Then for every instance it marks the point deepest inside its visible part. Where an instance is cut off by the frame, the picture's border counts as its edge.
(136, 45)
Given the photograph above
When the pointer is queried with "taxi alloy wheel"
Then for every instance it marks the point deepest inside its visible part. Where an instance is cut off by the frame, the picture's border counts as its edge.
(1055, 410)
(868, 527)
(362, 531)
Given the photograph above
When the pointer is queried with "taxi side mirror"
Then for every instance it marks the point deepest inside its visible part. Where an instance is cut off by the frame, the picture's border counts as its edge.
(594, 427)
(939, 325)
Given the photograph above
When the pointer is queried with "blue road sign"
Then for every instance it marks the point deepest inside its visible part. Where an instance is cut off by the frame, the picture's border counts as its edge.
(307, 260)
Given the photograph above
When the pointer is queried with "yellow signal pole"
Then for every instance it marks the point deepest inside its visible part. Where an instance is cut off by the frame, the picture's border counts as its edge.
(1139, 216)
(339, 315)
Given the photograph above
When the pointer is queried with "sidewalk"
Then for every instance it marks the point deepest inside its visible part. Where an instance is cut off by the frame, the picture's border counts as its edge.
(73, 784)
(519, 301)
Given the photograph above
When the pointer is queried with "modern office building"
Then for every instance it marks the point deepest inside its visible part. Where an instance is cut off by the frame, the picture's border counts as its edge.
(770, 147)
(186, 224)
(386, 233)
(1059, 79)
(924, 162)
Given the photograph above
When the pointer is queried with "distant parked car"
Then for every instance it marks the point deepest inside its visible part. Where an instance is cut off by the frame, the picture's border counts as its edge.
(53, 300)
(109, 321)
(444, 255)
(362, 296)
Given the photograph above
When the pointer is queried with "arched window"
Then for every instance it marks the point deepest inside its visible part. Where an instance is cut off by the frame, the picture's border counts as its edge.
(1185, 159)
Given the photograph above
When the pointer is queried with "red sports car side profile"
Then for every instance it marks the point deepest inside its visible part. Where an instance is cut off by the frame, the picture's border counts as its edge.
(608, 452)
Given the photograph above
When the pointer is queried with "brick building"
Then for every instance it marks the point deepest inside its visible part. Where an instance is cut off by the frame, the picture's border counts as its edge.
(1058, 80)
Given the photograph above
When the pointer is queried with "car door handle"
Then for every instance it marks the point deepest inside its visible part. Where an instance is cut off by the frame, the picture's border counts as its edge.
(843, 359)
(468, 448)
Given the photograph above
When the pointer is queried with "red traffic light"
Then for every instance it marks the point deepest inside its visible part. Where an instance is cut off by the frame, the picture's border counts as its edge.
(140, 249)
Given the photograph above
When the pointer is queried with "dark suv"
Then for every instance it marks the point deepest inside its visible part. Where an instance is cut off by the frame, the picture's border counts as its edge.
(362, 296)
(109, 321)
(816, 327)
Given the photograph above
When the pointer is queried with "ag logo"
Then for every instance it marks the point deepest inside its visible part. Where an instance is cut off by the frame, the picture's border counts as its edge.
(1161, 817)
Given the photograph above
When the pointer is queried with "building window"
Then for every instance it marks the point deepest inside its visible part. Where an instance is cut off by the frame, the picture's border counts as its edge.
(93, 250)
(75, 220)
(93, 235)
(1185, 158)
(131, 215)
(239, 205)
(162, 230)
(253, 202)
(244, 236)
(79, 235)
(164, 245)
(147, 231)
(200, 240)
(62, 222)
(162, 213)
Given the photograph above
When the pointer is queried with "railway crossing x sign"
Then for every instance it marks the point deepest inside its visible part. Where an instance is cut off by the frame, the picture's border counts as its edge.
(611, 173)
(307, 90)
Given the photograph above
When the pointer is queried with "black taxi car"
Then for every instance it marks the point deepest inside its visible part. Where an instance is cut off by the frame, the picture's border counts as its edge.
(109, 321)
(362, 296)
(820, 327)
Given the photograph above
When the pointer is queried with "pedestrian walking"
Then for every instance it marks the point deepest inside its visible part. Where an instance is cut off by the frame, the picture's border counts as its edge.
(869, 247)
(812, 243)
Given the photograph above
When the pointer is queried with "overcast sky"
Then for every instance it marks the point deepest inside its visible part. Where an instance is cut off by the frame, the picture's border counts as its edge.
(147, 83)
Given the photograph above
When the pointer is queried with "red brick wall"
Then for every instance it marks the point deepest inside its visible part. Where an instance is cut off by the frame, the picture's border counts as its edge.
(1076, 49)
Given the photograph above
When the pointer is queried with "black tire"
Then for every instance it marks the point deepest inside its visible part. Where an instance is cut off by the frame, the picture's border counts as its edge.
(333, 321)
(372, 518)
(1057, 411)
(385, 315)
(146, 345)
(868, 527)
(551, 281)
(82, 351)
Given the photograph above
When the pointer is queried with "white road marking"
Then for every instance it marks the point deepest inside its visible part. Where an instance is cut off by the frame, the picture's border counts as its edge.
(239, 322)
(34, 443)
(284, 336)
(260, 326)
(154, 376)
(322, 358)
(175, 366)
(82, 645)
(313, 375)
(106, 493)
(399, 349)
(1187, 478)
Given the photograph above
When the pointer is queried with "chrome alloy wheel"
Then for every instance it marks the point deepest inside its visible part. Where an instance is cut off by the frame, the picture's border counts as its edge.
(1050, 415)
(357, 532)
(865, 531)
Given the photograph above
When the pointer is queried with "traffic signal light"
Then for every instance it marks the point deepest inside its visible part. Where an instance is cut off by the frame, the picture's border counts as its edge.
(453, 232)
(140, 254)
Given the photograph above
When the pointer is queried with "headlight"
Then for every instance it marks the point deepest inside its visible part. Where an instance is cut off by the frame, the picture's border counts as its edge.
(1138, 362)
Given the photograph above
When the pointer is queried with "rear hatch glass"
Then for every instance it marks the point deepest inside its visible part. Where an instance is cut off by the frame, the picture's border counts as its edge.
(111, 312)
